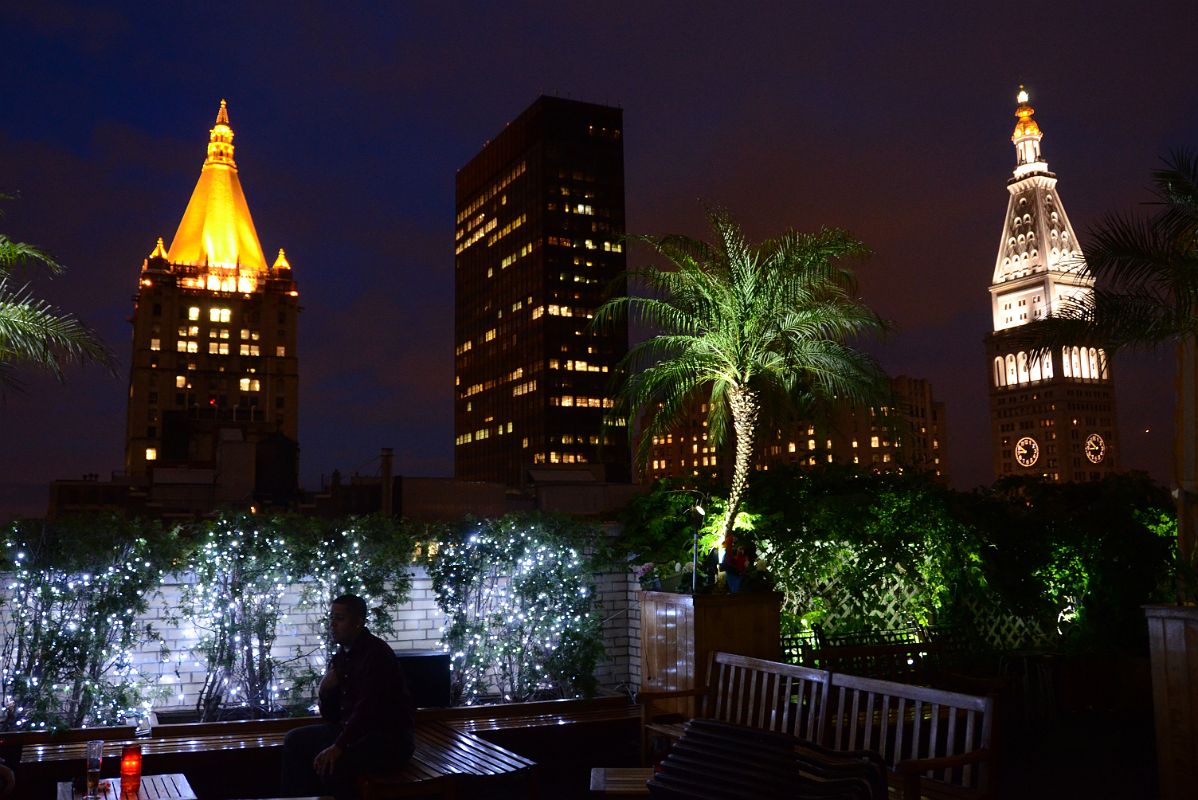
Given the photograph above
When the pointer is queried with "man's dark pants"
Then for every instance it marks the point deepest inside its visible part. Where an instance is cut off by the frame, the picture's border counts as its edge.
(371, 753)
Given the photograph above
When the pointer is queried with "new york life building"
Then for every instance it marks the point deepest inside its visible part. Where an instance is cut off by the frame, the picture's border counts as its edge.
(213, 411)
(537, 248)
(1051, 417)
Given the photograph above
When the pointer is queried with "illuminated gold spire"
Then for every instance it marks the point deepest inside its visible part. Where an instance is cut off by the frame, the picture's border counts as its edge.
(217, 231)
(159, 250)
(1026, 126)
(1026, 139)
(281, 262)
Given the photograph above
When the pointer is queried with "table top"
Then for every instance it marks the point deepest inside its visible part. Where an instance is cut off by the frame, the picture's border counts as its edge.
(620, 780)
(153, 787)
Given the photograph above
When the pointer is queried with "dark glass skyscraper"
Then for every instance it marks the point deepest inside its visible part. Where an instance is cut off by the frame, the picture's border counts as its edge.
(538, 247)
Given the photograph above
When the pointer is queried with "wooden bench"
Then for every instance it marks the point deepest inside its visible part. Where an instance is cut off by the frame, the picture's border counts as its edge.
(13, 743)
(547, 714)
(938, 743)
(451, 763)
(767, 695)
(451, 748)
(444, 757)
(935, 743)
(721, 760)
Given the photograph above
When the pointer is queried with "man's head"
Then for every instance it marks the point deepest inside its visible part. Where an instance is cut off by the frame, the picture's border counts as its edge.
(347, 618)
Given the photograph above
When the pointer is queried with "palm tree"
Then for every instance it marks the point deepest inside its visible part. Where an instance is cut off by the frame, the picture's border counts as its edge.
(32, 331)
(744, 323)
(1146, 268)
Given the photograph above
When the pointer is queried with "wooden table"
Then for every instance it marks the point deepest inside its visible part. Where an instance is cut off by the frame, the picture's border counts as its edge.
(153, 787)
(621, 780)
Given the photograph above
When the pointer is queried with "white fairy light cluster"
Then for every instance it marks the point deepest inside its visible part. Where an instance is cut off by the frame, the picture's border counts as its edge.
(241, 574)
(519, 614)
(68, 635)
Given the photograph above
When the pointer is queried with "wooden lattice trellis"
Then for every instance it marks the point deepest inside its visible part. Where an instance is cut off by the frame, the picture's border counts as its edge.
(991, 625)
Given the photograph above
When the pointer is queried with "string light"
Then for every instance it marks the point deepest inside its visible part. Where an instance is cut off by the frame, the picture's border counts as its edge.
(519, 621)
(519, 610)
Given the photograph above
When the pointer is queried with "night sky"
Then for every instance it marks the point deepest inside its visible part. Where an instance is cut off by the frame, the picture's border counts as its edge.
(892, 120)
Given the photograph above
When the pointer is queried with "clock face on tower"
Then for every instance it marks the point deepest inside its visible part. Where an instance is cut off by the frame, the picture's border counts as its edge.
(1027, 451)
(1095, 448)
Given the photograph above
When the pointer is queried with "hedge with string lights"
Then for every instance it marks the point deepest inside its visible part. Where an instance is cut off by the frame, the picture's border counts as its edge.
(521, 618)
(74, 591)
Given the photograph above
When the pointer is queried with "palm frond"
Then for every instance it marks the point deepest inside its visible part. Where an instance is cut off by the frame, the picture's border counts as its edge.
(1146, 272)
(15, 254)
(34, 332)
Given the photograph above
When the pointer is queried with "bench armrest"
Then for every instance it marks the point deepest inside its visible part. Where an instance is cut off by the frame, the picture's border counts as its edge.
(646, 696)
(918, 765)
(909, 771)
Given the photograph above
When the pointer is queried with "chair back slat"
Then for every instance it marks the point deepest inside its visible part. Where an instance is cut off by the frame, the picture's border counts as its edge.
(903, 722)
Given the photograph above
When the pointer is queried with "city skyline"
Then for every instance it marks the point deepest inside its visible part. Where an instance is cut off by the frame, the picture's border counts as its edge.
(352, 124)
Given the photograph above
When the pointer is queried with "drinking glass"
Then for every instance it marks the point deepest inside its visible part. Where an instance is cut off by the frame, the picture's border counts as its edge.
(95, 755)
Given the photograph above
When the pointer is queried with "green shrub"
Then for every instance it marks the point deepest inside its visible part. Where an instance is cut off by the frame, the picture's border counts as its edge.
(519, 606)
(367, 556)
(242, 567)
(75, 589)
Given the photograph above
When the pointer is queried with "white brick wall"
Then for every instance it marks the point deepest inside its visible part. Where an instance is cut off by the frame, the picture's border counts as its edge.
(180, 675)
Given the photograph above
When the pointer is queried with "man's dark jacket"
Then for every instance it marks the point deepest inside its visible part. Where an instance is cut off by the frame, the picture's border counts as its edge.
(371, 696)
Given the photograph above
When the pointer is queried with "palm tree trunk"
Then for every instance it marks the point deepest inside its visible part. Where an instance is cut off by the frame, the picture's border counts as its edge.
(744, 405)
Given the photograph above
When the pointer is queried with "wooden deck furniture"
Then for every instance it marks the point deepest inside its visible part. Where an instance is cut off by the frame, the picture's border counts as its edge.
(452, 754)
(938, 743)
(547, 714)
(450, 763)
(721, 761)
(446, 760)
(621, 781)
(934, 743)
(153, 787)
(173, 740)
(753, 692)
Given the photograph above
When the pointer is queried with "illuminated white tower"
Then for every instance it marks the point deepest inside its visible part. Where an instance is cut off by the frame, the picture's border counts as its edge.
(1053, 417)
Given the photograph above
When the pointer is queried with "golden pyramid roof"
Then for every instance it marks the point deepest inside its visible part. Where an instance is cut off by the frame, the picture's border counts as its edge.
(217, 230)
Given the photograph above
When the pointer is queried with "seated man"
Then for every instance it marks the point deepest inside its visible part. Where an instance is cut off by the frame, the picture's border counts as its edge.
(8, 781)
(367, 716)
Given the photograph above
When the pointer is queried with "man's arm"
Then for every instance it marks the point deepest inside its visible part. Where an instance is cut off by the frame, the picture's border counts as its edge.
(326, 695)
(8, 781)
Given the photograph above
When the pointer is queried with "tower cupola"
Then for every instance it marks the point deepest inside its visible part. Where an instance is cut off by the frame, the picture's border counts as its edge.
(1027, 138)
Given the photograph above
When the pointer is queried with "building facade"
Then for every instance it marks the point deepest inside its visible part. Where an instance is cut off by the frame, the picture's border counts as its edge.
(1051, 417)
(213, 383)
(538, 247)
(908, 434)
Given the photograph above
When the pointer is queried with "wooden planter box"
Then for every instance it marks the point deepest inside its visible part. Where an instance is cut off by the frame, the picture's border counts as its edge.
(1173, 642)
(679, 631)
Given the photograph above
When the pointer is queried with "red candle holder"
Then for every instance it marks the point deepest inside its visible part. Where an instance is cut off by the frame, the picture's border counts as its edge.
(130, 771)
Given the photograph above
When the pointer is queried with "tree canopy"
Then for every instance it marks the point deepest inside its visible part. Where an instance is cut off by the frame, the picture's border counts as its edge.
(739, 323)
